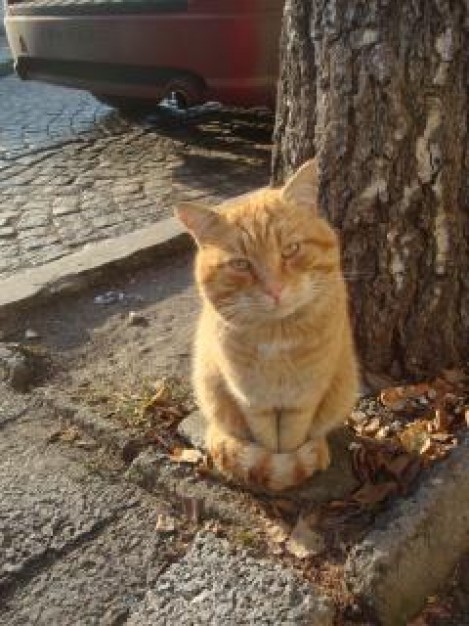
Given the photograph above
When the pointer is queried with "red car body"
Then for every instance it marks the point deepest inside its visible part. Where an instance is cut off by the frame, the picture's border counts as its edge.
(222, 50)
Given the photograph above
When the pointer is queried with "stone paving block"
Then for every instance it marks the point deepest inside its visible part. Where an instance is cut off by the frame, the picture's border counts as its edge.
(63, 153)
(215, 583)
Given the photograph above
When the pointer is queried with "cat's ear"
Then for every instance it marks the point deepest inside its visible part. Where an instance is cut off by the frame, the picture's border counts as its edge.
(198, 220)
(302, 188)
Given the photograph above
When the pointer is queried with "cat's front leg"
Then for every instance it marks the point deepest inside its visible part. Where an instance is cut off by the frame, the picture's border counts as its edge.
(339, 398)
(264, 426)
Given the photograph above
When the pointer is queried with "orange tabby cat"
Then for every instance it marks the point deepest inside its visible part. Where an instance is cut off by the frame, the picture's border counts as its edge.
(274, 366)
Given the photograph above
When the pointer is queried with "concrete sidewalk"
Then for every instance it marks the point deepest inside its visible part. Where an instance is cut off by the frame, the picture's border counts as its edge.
(78, 545)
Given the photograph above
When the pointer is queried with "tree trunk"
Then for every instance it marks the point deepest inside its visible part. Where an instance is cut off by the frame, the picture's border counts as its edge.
(296, 99)
(391, 83)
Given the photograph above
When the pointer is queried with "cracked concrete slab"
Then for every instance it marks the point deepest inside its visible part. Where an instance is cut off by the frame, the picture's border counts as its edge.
(77, 546)
(215, 583)
(47, 504)
(97, 583)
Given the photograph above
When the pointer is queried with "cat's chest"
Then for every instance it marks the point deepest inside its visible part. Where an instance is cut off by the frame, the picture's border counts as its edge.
(280, 373)
(281, 349)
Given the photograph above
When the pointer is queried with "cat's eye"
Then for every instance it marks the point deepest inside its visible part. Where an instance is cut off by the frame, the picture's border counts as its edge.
(291, 250)
(240, 265)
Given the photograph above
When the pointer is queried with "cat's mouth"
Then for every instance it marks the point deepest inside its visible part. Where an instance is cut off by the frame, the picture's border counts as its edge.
(287, 305)
(259, 309)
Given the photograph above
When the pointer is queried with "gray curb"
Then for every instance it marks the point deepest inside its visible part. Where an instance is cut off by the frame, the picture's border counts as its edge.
(6, 67)
(89, 266)
(418, 544)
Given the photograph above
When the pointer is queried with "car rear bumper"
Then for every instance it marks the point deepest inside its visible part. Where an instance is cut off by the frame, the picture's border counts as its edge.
(229, 57)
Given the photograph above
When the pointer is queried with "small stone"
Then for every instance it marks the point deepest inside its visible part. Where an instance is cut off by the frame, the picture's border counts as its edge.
(193, 429)
(14, 368)
(110, 297)
(65, 209)
(31, 334)
(6, 232)
(137, 319)
(165, 524)
(358, 417)
(395, 427)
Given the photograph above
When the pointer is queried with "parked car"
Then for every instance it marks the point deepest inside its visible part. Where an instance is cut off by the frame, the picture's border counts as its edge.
(134, 53)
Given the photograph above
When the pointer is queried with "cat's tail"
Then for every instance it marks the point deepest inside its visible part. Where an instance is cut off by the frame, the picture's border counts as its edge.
(256, 466)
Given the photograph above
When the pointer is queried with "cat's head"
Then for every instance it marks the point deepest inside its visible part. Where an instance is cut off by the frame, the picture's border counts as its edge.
(265, 255)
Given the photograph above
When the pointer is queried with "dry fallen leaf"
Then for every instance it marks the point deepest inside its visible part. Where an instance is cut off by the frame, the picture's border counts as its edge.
(215, 527)
(159, 398)
(383, 432)
(395, 398)
(277, 532)
(442, 420)
(398, 466)
(186, 455)
(86, 444)
(193, 508)
(67, 435)
(304, 541)
(165, 523)
(415, 437)
(370, 494)
(372, 426)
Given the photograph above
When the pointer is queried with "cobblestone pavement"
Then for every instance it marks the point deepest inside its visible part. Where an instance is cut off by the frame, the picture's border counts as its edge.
(73, 171)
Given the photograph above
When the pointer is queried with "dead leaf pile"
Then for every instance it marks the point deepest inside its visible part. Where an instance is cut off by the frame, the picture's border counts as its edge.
(403, 431)
(398, 434)
(163, 405)
(151, 413)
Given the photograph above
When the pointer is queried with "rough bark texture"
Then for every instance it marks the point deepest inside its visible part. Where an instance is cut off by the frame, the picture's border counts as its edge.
(296, 101)
(391, 136)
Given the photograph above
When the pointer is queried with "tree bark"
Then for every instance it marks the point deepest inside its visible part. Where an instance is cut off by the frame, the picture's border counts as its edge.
(296, 98)
(391, 115)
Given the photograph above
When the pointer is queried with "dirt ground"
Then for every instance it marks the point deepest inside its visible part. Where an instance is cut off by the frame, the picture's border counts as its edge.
(106, 349)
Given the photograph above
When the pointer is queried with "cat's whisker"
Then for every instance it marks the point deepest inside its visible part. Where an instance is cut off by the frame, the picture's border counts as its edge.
(346, 277)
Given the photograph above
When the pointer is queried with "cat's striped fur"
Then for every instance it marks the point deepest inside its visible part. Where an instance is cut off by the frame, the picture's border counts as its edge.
(274, 363)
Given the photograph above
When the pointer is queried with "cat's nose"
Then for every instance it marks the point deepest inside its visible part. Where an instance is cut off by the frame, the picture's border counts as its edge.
(274, 290)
